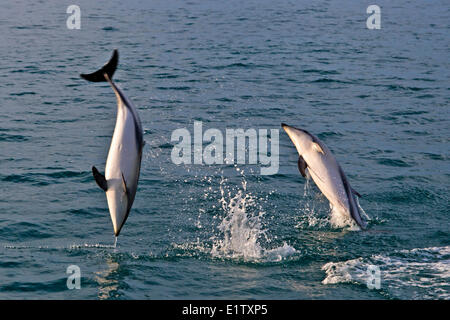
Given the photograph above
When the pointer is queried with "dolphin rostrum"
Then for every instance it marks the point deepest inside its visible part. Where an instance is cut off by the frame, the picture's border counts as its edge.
(123, 164)
(329, 177)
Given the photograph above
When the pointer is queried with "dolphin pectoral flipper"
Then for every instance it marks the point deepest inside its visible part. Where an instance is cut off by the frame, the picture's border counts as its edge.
(109, 68)
(100, 179)
(302, 166)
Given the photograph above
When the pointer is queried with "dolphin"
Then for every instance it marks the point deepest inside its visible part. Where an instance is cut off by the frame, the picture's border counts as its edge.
(123, 164)
(327, 174)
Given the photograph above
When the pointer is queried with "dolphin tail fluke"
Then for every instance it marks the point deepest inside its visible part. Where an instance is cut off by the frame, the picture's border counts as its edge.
(106, 72)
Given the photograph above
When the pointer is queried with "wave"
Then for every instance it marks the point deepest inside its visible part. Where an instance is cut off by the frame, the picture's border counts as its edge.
(59, 247)
(45, 178)
(12, 137)
(421, 273)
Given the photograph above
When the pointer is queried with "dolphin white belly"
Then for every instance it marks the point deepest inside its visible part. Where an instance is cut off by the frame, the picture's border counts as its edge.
(325, 173)
(125, 153)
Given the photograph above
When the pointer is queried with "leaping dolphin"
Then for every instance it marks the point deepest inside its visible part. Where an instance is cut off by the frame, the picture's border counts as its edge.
(326, 173)
(123, 164)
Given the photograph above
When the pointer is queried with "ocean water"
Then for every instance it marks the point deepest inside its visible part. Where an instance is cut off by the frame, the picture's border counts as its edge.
(379, 99)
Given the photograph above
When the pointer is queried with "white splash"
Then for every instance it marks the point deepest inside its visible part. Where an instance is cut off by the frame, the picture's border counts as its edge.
(311, 217)
(242, 229)
(341, 219)
(422, 273)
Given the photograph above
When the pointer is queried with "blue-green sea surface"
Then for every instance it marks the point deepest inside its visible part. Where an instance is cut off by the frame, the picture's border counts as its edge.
(379, 99)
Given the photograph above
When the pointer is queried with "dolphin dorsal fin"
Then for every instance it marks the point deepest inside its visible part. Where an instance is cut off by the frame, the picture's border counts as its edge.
(356, 193)
(124, 185)
(318, 148)
(302, 166)
(100, 179)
